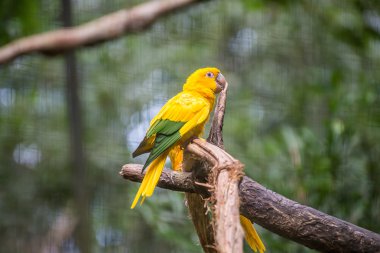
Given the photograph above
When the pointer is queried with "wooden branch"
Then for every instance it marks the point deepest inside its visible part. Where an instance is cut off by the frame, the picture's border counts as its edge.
(224, 173)
(303, 224)
(223, 177)
(216, 131)
(287, 218)
(198, 205)
(61, 230)
(200, 216)
(227, 176)
(171, 180)
(99, 30)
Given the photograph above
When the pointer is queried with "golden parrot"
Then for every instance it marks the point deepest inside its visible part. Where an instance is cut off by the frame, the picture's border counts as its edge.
(182, 118)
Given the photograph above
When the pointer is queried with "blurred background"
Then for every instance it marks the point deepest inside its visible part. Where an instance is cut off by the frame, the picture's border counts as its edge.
(303, 115)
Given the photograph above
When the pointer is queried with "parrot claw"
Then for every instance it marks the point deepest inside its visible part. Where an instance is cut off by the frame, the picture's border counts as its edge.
(190, 140)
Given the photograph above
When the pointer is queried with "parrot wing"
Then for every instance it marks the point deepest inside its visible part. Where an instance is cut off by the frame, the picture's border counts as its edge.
(144, 147)
(177, 117)
(165, 138)
(156, 133)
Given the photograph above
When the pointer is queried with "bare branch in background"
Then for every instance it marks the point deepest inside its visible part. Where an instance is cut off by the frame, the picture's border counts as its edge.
(99, 30)
(60, 231)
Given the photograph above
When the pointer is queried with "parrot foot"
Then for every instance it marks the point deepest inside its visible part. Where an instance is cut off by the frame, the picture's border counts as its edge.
(190, 140)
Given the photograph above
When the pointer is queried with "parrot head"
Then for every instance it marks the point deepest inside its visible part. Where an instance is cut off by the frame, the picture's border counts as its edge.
(206, 80)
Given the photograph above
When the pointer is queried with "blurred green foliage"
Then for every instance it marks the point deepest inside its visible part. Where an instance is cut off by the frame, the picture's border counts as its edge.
(303, 115)
(18, 18)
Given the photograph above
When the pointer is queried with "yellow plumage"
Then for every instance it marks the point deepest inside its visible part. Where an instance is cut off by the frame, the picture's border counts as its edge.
(176, 157)
(183, 117)
(150, 180)
(180, 119)
(251, 235)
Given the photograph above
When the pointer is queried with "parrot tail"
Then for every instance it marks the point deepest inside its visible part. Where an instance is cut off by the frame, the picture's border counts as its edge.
(150, 179)
(251, 235)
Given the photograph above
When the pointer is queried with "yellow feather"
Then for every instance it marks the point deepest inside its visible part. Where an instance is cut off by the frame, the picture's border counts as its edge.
(197, 121)
(176, 116)
(156, 175)
(141, 189)
(176, 157)
(150, 180)
(142, 200)
(145, 146)
(251, 235)
(193, 106)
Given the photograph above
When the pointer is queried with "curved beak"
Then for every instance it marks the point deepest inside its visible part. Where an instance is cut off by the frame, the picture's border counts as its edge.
(220, 83)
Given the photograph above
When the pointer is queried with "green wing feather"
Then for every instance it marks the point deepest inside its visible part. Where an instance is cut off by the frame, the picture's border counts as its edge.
(167, 134)
(145, 146)
(164, 126)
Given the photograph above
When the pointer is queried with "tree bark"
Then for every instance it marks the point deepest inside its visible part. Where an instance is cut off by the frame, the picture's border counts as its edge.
(303, 224)
(228, 231)
(223, 173)
(223, 231)
(106, 28)
(175, 181)
(199, 206)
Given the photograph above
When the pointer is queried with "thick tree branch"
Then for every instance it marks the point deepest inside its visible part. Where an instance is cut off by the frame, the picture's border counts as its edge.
(99, 30)
(224, 173)
(223, 231)
(226, 192)
(303, 224)
(171, 180)
(283, 216)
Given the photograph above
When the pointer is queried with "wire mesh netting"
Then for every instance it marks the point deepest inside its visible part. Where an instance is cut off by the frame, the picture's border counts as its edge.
(303, 116)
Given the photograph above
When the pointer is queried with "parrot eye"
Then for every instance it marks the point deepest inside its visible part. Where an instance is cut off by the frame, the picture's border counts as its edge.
(210, 74)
